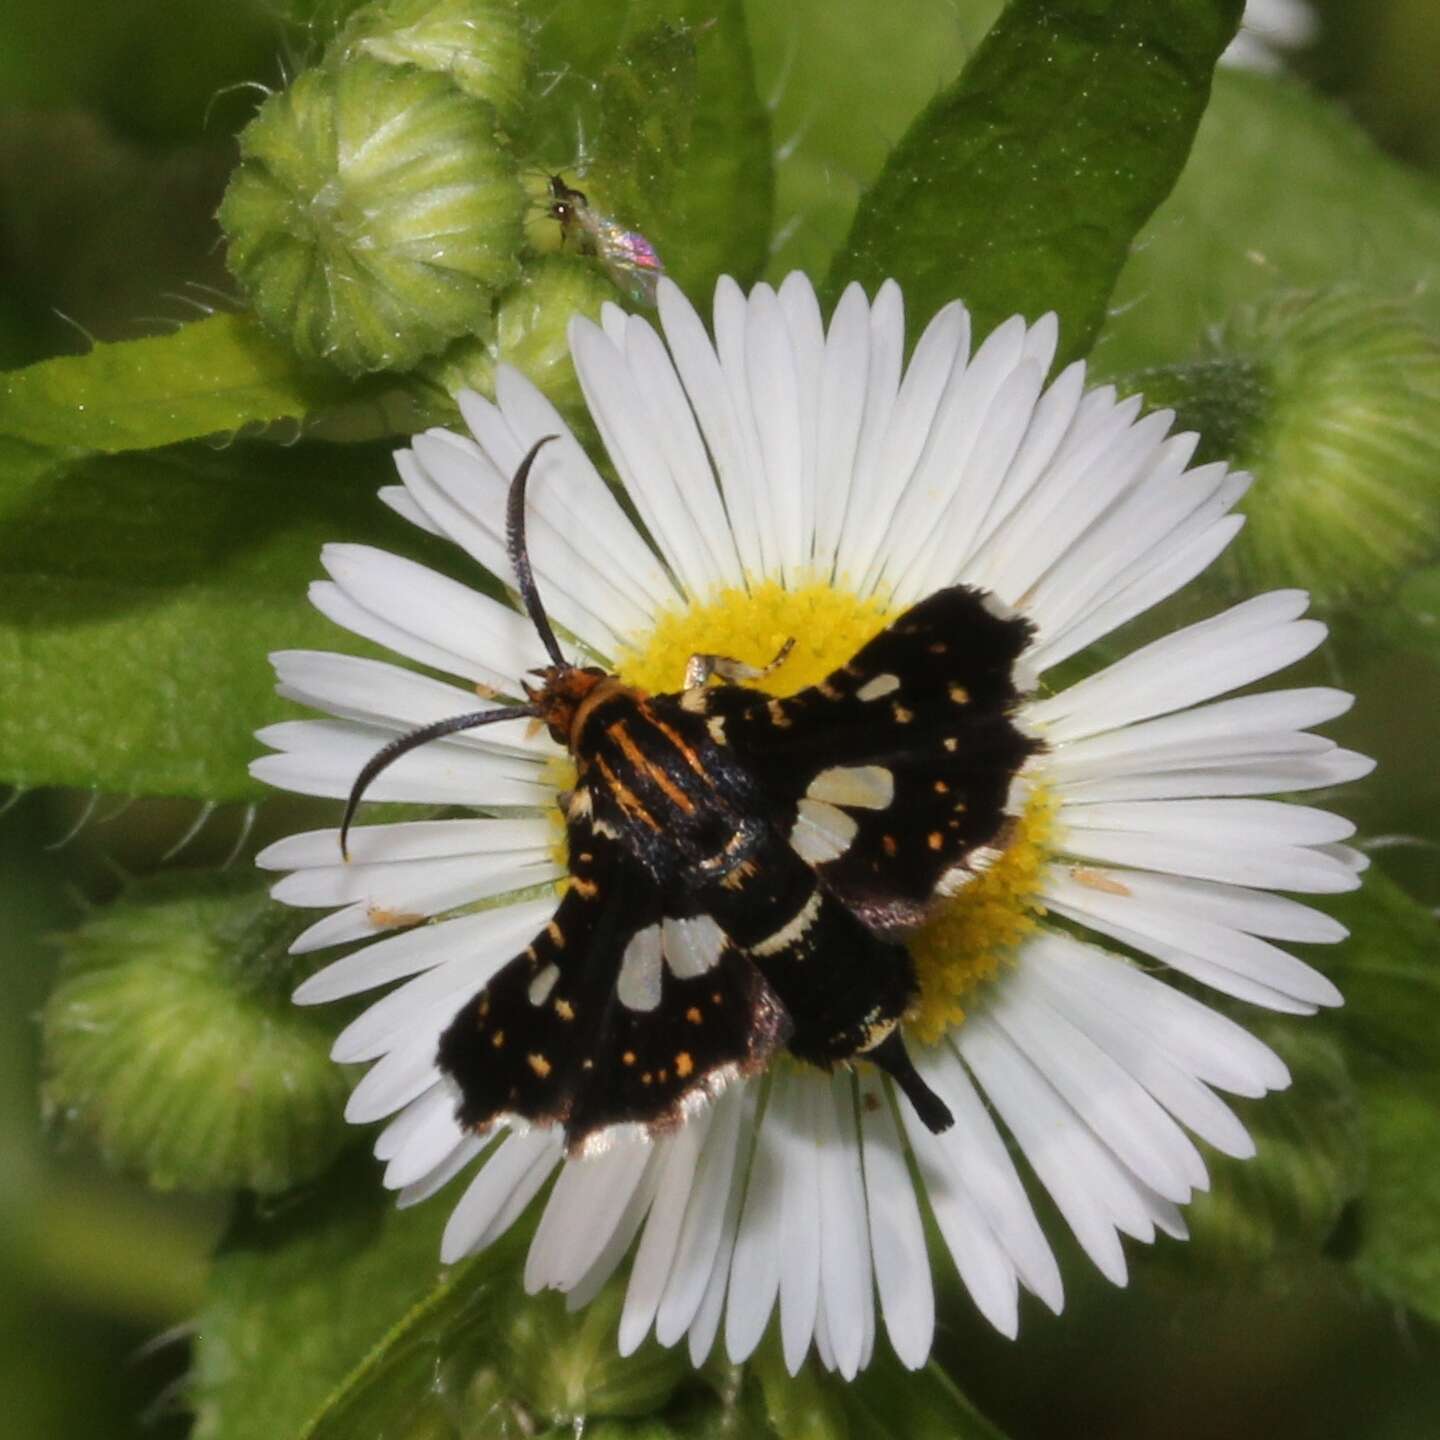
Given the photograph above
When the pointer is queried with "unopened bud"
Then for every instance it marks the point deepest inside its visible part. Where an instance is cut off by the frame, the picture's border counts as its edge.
(171, 1041)
(374, 214)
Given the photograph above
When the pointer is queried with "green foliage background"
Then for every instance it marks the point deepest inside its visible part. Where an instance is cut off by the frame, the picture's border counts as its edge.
(1308, 1302)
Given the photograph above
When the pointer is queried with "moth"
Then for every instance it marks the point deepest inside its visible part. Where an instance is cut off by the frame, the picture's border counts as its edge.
(743, 869)
(628, 257)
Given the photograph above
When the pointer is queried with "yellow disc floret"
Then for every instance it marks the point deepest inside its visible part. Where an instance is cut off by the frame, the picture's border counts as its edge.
(976, 930)
(828, 626)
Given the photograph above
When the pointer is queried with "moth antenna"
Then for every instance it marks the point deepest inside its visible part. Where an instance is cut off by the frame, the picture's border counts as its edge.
(520, 556)
(404, 744)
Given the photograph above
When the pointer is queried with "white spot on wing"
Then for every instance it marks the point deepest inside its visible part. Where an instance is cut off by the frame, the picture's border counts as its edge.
(543, 984)
(871, 787)
(880, 686)
(691, 946)
(792, 929)
(639, 984)
(821, 832)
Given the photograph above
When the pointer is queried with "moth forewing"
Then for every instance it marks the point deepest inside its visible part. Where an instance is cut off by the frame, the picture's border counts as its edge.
(742, 869)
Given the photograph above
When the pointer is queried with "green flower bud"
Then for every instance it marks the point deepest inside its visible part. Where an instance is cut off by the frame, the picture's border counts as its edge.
(171, 1040)
(483, 46)
(529, 333)
(1333, 402)
(374, 214)
(565, 1366)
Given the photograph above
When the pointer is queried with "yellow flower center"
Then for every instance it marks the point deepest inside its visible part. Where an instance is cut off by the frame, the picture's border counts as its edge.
(828, 627)
(973, 932)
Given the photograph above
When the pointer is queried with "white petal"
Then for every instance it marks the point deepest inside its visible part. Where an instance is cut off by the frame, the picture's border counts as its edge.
(1127, 902)
(659, 1247)
(846, 1285)
(412, 840)
(800, 1218)
(679, 435)
(887, 347)
(1144, 585)
(997, 446)
(509, 1179)
(403, 1075)
(323, 757)
(1253, 724)
(887, 468)
(935, 488)
(773, 381)
(1118, 1110)
(983, 1265)
(718, 1174)
(974, 1149)
(806, 331)
(728, 442)
(842, 410)
(1185, 1097)
(585, 1207)
(443, 990)
(755, 1267)
(430, 1139)
(1212, 1048)
(897, 1236)
(1088, 1185)
(491, 642)
(459, 1159)
(500, 928)
(413, 1121)
(1245, 643)
(441, 473)
(606, 527)
(1054, 417)
(1264, 775)
(404, 504)
(635, 444)
(1278, 867)
(604, 1265)
(559, 536)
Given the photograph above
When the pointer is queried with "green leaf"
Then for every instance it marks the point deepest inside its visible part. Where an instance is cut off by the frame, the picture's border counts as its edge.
(1021, 187)
(673, 139)
(816, 1404)
(1398, 1219)
(1390, 974)
(209, 378)
(844, 78)
(140, 594)
(299, 1295)
(1282, 190)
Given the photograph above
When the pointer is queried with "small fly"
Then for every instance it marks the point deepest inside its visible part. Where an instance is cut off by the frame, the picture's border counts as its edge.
(628, 257)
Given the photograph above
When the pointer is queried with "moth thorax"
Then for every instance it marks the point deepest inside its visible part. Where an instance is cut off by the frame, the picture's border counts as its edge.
(566, 696)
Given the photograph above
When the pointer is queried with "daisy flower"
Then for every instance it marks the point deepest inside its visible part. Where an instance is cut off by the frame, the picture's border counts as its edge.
(798, 481)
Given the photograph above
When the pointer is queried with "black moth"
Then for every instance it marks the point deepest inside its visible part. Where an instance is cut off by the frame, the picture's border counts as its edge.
(743, 869)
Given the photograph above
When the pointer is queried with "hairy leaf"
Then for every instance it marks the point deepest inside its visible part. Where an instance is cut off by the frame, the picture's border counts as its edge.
(209, 378)
(140, 595)
(1021, 186)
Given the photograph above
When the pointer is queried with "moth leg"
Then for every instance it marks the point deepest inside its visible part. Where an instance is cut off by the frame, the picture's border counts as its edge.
(699, 668)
